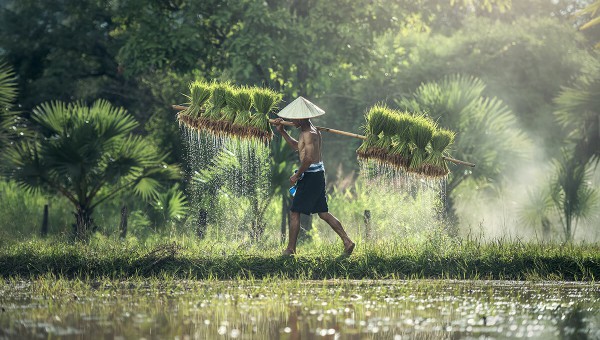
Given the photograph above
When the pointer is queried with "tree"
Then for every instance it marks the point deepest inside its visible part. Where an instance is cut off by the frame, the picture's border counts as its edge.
(578, 113)
(88, 155)
(593, 11)
(62, 49)
(572, 197)
(8, 93)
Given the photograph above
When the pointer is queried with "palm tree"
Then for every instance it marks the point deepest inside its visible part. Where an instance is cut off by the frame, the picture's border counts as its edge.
(593, 10)
(88, 155)
(486, 129)
(569, 197)
(572, 197)
(578, 112)
(8, 93)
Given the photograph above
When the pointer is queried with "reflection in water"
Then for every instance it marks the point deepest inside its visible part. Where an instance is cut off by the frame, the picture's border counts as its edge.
(274, 309)
(573, 323)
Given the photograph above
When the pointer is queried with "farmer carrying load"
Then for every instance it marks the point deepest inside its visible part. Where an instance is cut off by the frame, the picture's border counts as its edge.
(309, 179)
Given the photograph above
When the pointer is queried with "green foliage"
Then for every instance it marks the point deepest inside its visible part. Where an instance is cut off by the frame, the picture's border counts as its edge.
(8, 93)
(577, 112)
(168, 208)
(564, 199)
(593, 10)
(88, 155)
(22, 218)
(571, 194)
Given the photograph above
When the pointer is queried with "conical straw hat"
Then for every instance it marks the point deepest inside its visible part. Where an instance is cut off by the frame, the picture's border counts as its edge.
(300, 108)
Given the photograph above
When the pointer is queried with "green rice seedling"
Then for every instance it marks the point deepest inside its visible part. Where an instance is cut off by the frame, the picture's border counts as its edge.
(240, 104)
(421, 132)
(218, 100)
(384, 143)
(231, 109)
(200, 92)
(400, 152)
(374, 121)
(265, 101)
(435, 165)
(241, 122)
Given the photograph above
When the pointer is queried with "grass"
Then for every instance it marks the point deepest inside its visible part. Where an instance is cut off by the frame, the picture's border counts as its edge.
(183, 257)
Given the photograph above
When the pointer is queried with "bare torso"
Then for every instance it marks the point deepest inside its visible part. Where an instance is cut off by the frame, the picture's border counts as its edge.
(309, 145)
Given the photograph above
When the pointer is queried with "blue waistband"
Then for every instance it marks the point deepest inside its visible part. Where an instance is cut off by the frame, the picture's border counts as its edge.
(316, 167)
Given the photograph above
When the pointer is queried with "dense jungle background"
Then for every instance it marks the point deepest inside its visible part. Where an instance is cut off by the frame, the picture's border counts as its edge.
(519, 81)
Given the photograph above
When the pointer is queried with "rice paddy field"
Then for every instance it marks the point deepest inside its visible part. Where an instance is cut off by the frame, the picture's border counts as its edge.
(164, 308)
(210, 290)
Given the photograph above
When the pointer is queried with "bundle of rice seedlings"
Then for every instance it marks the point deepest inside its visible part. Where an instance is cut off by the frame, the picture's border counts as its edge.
(218, 100)
(219, 124)
(400, 153)
(420, 133)
(241, 122)
(375, 119)
(200, 92)
(240, 105)
(435, 165)
(265, 101)
(374, 124)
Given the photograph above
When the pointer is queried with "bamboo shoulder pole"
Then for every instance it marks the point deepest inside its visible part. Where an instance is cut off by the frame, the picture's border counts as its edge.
(340, 132)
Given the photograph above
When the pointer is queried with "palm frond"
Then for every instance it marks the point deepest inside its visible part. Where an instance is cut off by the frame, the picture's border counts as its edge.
(8, 87)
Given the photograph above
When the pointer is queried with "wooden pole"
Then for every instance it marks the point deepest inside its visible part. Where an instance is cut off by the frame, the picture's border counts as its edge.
(123, 225)
(343, 133)
(44, 232)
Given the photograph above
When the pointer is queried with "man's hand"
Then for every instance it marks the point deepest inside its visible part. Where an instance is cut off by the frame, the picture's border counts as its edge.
(294, 178)
(278, 124)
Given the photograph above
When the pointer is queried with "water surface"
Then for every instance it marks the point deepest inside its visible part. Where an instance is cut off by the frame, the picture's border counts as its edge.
(281, 309)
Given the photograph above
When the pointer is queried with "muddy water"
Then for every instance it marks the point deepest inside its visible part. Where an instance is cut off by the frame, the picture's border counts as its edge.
(419, 309)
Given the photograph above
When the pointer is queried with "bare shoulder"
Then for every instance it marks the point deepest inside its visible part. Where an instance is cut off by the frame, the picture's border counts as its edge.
(311, 136)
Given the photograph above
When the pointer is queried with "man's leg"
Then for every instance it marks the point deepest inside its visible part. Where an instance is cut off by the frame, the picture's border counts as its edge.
(294, 230)
(335, 224)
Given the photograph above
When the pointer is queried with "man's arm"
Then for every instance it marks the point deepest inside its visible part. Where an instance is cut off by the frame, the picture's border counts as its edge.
(291, 141)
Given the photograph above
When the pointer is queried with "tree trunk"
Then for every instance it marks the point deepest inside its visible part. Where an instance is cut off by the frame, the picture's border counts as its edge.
(568, 220)
(123, 225)
(367, 218)
(83, 223)
(545, 228)
(44, 231)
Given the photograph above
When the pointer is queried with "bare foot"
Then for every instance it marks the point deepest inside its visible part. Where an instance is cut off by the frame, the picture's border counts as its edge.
(288, 252)
(349, 248)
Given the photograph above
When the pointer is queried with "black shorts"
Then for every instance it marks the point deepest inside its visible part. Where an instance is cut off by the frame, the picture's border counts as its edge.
(310, 195)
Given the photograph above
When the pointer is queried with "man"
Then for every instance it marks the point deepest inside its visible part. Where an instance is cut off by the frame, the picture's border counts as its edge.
(310, 196)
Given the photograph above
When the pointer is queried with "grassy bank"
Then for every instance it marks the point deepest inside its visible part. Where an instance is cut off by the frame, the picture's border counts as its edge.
(189, 258)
